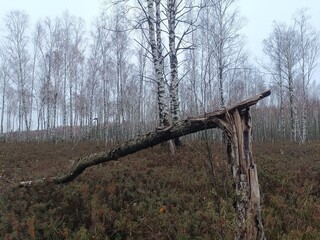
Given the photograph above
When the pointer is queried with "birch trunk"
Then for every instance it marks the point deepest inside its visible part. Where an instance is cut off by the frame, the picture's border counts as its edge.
(293, 112)
(221, 91)
(304, 104)
(157, 57)
(4, 87)
(142, 71)
(118, 101)
(64, 100)
(304, 93)
(281, 92)
(174, 84)
(70, 105)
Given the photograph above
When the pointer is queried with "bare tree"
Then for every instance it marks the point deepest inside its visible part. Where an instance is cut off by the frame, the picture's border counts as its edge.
(225, 23)
(93, 66)
(172, 9)
(16, 46)
(191, 95)
(155, 41)
(71, 49)
(282, 45)
(120, 49)
(48, 42)
(4, 82)
(101, 49)
(309, 52)
(273, 48)
(44, 41)
(290, 58)
(142, 66)
(175, 13)
(78, 44)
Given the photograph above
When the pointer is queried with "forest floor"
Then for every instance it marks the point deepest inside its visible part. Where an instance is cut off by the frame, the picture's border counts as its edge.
(155, 195)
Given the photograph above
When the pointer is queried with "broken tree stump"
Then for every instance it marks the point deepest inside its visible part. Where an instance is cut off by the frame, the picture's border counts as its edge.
(245, 175)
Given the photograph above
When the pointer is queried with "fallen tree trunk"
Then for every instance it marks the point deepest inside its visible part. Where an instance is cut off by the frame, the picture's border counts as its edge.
(190, 125)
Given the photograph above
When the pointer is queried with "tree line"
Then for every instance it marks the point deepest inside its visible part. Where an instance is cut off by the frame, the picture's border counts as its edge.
(141, 65)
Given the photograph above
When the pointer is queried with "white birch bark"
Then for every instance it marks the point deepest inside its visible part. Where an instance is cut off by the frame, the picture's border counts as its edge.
(293, 112)
(65, 50)
(174, 83)
(154, 21)
(142, 56)
(4, 82)
(282, 116)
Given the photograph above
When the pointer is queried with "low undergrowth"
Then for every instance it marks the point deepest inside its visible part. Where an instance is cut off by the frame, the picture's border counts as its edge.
(154, 195)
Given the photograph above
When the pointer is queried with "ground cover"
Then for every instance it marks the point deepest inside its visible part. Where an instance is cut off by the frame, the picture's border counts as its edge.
(154, 195)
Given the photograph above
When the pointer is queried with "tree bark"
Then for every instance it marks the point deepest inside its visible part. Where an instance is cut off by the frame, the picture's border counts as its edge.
(4, 89)
(174, 83)
(157, 58)
(155, 39)
(293, 111)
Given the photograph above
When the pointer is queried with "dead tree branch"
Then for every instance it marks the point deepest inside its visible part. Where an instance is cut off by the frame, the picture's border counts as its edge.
(178, 129)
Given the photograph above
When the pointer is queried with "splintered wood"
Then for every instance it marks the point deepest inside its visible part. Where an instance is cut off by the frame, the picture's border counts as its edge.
(245, 175)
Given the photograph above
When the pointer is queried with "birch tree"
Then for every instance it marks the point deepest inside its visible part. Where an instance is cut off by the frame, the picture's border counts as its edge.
(48, 42)
(290, 59)
(45, 44)
(96, 71)
(155, 40)
(142, 68)
(206, 68)
(225, 23)
(77, 50)
(32, 69)
(273, 48)
(120, 49)
(4, 82)
(72, 45)
(174, 81)
(308, 44)
(284, 43)
(17, 55)
(101, 49)
(156, 13)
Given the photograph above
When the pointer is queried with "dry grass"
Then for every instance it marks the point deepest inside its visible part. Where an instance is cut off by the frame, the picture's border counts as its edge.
(153, 195)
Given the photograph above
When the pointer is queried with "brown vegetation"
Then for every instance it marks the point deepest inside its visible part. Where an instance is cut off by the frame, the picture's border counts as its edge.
(154, 195)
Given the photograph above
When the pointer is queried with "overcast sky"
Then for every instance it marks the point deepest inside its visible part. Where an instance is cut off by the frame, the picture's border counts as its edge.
(260, 14)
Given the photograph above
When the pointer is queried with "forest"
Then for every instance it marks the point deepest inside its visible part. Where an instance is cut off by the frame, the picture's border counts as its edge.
(72, 90)
(140, 66)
